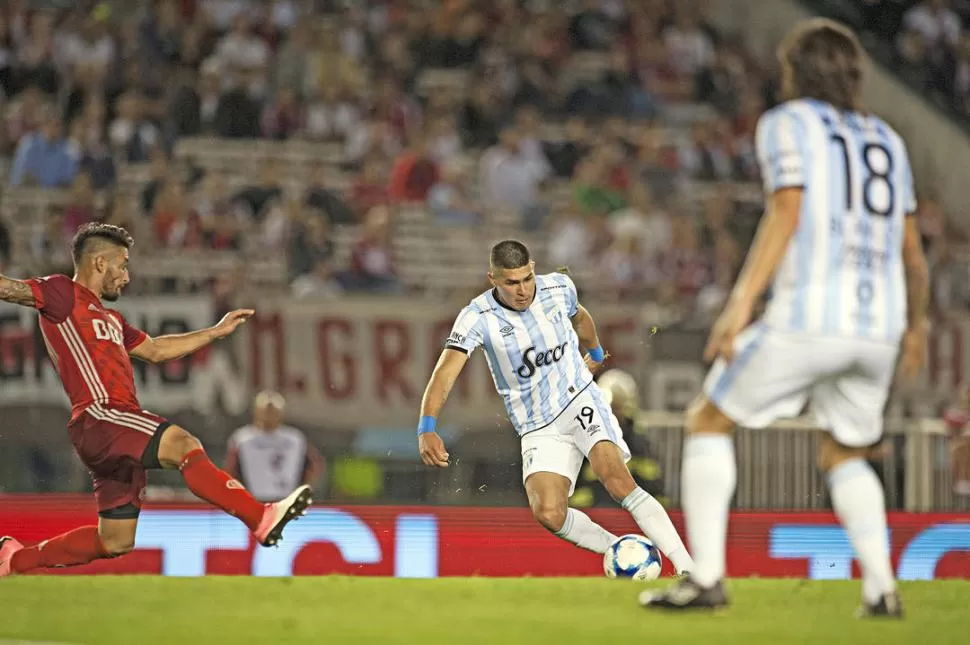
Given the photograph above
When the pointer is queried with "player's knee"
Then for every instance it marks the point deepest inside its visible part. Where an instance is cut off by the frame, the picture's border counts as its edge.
(551, 515)
(831, 453)
(117, 545)
(618, 483)
(176, 444)
(704, 416)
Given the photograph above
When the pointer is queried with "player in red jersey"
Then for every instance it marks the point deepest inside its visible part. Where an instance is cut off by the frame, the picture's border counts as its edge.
(90, 346)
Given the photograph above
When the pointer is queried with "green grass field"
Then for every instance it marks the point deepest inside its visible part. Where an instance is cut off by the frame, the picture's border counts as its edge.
(138, 610)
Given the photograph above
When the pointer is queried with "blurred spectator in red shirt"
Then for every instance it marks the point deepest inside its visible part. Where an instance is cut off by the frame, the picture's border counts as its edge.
(176, 226)
(372, 259)
(413, 174)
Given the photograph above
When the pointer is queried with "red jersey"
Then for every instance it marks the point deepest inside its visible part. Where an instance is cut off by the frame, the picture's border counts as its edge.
(87, 343)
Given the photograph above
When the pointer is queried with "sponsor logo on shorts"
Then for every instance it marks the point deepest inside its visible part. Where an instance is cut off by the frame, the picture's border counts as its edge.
(528, 456)
(233, 484)
(592, 429)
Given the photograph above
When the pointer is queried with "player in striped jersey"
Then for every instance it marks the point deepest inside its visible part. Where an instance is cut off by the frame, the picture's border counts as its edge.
(849, 291)
(532, 329)
(90, 346)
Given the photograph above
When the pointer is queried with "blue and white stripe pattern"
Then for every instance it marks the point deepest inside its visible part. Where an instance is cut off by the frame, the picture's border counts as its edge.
(842, 274)
(534, 355)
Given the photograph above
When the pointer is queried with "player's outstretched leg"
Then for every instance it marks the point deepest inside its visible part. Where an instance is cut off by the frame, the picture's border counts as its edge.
(708, 478)
(179, 449)
(647, 512)
(859, 502)
(110, 539)
(548, 499)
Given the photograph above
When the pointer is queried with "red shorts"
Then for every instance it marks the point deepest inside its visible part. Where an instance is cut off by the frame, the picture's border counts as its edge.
(111, 443)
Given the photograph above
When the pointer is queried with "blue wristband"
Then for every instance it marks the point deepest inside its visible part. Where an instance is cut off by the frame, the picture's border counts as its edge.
(427, 424)
(596, 353)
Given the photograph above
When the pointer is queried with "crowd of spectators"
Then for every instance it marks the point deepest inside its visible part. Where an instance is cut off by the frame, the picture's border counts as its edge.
(96, 87)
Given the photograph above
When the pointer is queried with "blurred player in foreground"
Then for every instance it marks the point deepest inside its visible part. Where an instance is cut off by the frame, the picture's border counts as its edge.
(531, 328)
(850, 288)
(90, 346)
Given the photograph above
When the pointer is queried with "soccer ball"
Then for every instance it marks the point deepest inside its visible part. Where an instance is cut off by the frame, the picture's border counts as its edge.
(632, 556)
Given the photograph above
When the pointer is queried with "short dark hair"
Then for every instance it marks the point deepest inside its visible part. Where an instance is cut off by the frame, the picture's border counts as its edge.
(88, 234)
(509, 254)
(823, 60)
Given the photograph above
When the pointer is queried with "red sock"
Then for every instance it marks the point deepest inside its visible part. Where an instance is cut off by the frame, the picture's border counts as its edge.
(219, 488)
(79, 546)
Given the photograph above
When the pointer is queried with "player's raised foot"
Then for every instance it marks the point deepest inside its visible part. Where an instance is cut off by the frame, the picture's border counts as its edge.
(889, 606)
(685, 594)
(8, 546)
(279, 514)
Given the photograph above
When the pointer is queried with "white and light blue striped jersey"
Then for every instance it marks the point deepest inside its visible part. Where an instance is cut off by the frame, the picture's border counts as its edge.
(842, 274)
(534, 355)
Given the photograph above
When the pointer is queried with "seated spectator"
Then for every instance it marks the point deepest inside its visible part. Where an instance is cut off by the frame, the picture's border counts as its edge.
(242, 50)
(626, 268)
(318, 283)
(256, 197)
(685, 267)
(331, 114)
(309, 241)
(159, 174)
(238, 112)
(50, 244)
(372, 258)
(644, 220)
(564, 155)
(689, 47)
(592, 189)
(479, 116)
(373, 137)
(80, 207)
(282, 118)
(509, 179)
(369, 188)
(450, 200)
(44, 158)
(592, 28)
(445, 143)
(131, 134)
(176, 226)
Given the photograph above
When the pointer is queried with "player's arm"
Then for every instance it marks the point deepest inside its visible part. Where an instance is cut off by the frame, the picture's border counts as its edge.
(913, 350)
(774, 233)
(446, 371)
(917, 275)
(588, 338)
(16, 291)
(174, 346)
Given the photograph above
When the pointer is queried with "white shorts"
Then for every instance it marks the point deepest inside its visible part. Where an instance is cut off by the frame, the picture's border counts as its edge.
(774, 374)
(561, 446)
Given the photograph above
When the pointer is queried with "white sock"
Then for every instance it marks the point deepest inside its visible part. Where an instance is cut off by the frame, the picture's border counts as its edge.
(585, 533)
(859, 502)
(708, 478)
(652, 518)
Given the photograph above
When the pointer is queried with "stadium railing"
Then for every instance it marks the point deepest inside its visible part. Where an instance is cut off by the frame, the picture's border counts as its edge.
(777, 465)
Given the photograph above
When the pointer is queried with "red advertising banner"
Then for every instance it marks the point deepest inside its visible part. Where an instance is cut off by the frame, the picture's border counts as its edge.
(426, 541)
